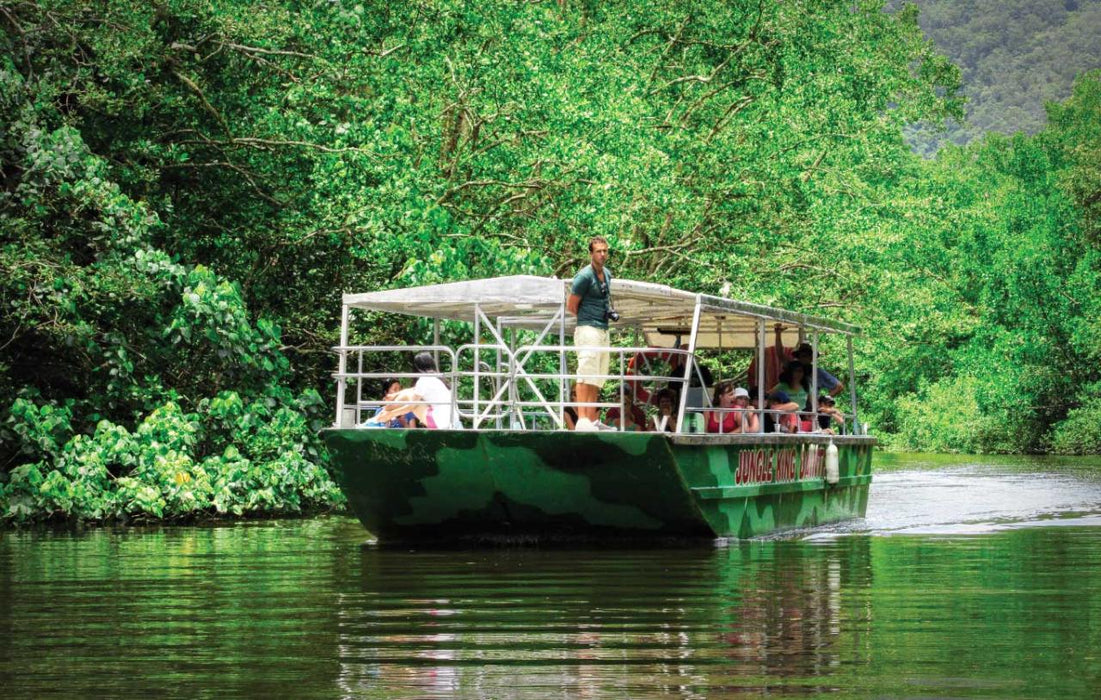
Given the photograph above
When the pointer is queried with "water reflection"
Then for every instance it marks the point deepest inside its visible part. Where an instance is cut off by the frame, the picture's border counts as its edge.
(973, 592)
(585, 621)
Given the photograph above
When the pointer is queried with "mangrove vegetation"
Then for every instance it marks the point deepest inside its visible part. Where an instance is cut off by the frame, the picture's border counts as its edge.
(187, 187)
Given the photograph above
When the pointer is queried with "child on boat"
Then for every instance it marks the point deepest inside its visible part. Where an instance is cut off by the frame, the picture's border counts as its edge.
(429, 399)
(390, 389)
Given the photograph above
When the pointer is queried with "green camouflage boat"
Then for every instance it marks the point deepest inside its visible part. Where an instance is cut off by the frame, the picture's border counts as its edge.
(513, 471)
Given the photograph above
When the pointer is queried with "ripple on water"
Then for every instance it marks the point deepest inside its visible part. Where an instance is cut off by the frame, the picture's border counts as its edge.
(986, 587)
(983, 497)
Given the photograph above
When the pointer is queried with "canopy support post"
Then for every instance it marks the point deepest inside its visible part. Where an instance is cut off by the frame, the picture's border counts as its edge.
(814, 376)
(477, 363)
(690, 364)
(342, 369)
(436, 341)
(563, 384)
(515, 411)
(359, 383)
(856, 430)
(497, 386)
(762, 340)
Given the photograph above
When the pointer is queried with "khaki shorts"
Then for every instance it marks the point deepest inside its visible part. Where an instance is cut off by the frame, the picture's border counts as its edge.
(591, 363)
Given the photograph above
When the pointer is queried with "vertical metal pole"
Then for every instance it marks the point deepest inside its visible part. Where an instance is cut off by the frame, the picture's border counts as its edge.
(852, 389)
(720, 411)
(689, 364)
(814, 378)
(643, 362)
(622, 391)
(477, 362)
(497, 376)
(513, 395)
(342, 366)
(563, 385)
(359, 385)
(762, 341)
(436, 341)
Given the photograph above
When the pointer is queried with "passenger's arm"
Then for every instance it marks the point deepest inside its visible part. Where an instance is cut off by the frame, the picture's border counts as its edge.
(400, 409)
(750, 424)
(832, 384)
(573, 303)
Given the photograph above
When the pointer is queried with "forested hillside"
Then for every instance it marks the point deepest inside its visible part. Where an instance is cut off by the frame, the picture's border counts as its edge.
(1015, 56)
(187, 190)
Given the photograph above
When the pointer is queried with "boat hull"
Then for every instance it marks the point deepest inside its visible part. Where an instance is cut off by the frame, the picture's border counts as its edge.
(442, 485)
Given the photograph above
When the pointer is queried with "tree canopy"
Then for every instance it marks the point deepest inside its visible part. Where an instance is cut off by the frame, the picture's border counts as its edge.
(189, 187)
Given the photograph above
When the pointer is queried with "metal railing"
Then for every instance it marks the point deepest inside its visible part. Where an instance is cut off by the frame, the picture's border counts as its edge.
(803, 422)
(349, 415)
(519, 394)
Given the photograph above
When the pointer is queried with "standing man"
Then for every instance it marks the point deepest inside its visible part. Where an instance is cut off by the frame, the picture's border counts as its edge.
(589, 301)
(805, 354)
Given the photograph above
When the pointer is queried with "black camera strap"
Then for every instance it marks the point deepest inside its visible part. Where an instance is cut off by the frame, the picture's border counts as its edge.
(608, 291)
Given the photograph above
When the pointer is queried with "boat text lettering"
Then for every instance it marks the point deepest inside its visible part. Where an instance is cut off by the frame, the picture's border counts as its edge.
(812, 462)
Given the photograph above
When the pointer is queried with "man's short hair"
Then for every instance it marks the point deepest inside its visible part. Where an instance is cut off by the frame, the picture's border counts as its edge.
(596, 239)
(778, 397)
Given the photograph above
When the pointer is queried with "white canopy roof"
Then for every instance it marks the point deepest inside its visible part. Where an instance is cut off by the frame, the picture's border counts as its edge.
(660, 312)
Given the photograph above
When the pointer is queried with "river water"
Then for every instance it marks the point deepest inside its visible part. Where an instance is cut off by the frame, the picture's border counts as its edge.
(968, 578)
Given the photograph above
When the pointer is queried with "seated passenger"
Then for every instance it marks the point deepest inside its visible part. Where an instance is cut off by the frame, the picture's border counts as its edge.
(793, 383)
(390, 389)
(667, 402)
(433, 397)
(750, 423)
(827, 413)
(780, 414)
(804, 352)
(737, 418)
(634, 418)
(717, 421)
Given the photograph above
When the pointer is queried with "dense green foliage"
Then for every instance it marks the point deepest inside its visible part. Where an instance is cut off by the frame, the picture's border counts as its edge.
(188, 187)
(228, 457)
(1015, 55)
(991, 293)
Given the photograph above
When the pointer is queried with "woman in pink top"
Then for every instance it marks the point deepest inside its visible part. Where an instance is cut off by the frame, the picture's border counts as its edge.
(737, 418)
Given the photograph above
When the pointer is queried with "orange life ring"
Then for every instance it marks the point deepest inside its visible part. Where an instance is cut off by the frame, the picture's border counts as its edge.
(640, 361)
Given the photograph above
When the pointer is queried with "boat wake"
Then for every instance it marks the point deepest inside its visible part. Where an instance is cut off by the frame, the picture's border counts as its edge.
(975, 499)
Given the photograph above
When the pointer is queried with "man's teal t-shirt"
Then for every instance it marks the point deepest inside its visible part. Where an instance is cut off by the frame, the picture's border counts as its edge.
(594, 297)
